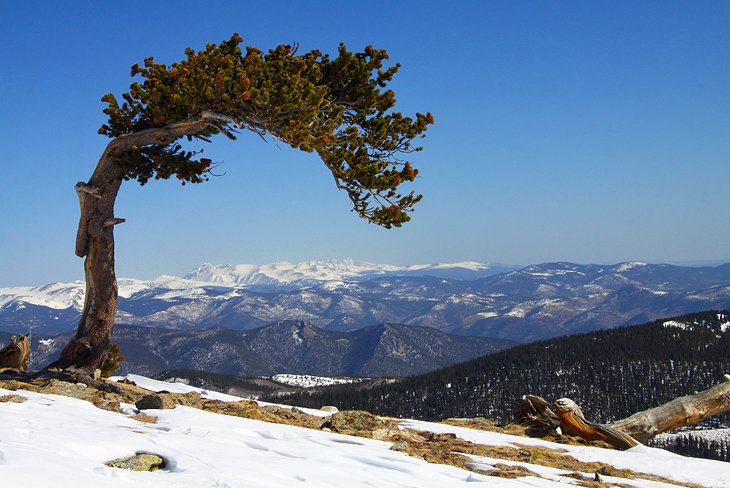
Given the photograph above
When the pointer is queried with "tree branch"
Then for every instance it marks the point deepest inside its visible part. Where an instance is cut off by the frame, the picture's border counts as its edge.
(114, 221)
(84, 189)
(169, 133)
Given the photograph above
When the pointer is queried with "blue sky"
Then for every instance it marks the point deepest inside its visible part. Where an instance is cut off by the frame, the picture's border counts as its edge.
(578, 131)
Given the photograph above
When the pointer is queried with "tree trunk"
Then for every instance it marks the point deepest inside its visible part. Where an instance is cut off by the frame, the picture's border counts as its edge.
(95, 242)
(639, 427)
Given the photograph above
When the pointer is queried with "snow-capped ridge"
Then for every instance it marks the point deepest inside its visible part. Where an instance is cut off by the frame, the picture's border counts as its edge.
(313, 272)
(623, 267)
(53, 295)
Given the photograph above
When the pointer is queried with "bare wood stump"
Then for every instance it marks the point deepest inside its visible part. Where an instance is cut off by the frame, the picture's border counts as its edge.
(17, 353)
(535, 414)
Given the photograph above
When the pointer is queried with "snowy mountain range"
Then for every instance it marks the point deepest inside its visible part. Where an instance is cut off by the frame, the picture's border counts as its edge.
(284, 274)
(530, 303)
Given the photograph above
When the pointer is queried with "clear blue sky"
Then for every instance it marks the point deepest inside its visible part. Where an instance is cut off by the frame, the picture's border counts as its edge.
(583, 131)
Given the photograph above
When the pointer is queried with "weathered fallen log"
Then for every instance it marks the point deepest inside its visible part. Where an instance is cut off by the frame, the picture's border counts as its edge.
(17, 353)
(686, 410)
(573, 422)
(639, 427)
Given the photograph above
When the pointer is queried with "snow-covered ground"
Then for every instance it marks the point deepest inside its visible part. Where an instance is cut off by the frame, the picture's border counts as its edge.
(52, 440)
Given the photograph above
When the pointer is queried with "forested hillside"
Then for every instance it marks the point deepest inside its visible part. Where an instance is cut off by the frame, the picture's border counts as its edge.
(611, 374)
(294, 347)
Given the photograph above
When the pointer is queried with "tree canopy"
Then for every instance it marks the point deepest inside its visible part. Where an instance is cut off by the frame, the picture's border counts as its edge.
(337, 107)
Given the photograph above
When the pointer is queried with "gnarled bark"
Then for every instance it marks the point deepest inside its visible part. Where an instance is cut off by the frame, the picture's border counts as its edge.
(573, 422)
(535, 414)
(95, 241)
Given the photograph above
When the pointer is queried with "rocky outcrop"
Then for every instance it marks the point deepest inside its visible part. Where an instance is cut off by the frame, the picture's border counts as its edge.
(138, 462)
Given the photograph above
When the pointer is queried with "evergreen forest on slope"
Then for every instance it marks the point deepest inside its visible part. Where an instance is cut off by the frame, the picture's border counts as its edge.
(611, 374)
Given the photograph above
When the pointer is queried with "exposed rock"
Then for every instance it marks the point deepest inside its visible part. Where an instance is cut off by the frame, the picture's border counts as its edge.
(329, 408)
(436, 437)
(509, 471)
(167, 400)
(400, 446)
(293, 416)
(353, 421)
(142, 417)
(398, 436)
(138, 462)
(269, 413)
(242, 408)
(190, 399)
(12, 399)
(155, 402)
(104, 404)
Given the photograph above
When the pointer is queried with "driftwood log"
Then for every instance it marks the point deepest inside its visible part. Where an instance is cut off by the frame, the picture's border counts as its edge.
(686, 410)
(17, 353)
(535, 413)
(573, 422)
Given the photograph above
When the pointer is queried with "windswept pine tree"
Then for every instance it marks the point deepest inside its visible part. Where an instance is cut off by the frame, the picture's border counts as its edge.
(338, 107)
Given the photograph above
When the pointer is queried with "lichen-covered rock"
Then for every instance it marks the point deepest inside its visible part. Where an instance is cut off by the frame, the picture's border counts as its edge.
(138, 462)
(293, 416)
(12, 399)
(147, 419)
(104, 404)
(242, 408)
(190, 399)
(167, 400)
(353, 421)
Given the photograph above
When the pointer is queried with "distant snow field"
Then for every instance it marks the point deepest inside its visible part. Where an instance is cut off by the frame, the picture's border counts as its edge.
(309, 381)
(65, 295)
(52, 440)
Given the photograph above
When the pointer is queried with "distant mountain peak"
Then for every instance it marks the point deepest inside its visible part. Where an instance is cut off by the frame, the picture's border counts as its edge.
(316, 272)
(623, 267)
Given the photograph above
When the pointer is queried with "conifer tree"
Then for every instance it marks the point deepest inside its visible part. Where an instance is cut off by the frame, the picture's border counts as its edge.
(338, 107)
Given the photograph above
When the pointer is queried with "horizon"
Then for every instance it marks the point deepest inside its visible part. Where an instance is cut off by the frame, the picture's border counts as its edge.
(579, 132)
(403, 267)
